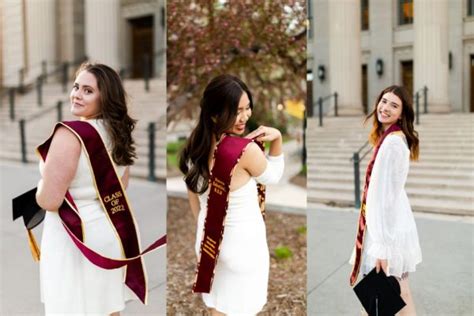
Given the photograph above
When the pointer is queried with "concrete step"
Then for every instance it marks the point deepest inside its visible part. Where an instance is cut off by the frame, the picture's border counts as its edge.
(315, 178)
(442, 181)
(417, 204)
(414, 172)
(415, 192)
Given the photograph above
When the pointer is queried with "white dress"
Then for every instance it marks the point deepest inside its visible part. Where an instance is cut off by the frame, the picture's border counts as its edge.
(391, 230)
(241, 275)
(70, 284)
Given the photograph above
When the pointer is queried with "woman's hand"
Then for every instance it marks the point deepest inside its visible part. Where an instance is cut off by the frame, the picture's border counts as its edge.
(381, 263)
(268, 134)
(265, 134)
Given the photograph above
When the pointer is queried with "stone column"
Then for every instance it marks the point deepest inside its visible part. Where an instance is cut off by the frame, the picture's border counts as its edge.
(160, 38)
(13, 50)
(381, 39)
(102, 31)
(320, 50)
(431, 52)
(345, 55)
(41, 35)
(70, 30)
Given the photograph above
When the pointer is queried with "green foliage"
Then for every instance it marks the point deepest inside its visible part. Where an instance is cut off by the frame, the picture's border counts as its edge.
(283, 252)
(172, 152)
(301, 230)
(304, 170)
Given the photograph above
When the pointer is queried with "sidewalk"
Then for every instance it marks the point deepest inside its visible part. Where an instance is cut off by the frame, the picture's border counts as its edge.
(19, 274)
(283, 197)
(442, 284)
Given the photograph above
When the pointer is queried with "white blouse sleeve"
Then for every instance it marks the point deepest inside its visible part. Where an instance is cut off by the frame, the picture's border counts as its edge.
(274, 170)
(385, 189)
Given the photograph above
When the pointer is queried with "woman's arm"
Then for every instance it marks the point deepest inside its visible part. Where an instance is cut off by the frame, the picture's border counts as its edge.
(194, 203)
(266, 170)
(59, 169)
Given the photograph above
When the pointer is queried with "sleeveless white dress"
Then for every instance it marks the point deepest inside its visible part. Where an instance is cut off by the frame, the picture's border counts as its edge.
(70, 284)
(241, 275)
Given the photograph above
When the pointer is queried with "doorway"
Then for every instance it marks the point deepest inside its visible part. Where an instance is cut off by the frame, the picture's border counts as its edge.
(365, 91)
(407, 75)
(142, 46)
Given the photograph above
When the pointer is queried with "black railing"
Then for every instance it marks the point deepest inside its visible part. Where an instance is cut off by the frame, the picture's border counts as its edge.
(151, 151)
(320, 102)
(423, 92)
(38, 84)
(357, 159)
(22, 125)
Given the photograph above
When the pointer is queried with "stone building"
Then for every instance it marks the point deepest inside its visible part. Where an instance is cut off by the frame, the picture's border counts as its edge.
(358, 47)
(37, 36)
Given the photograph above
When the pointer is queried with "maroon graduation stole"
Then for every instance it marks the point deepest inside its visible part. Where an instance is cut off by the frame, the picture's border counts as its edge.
(362, 221)
(115, 203)
(226, 156)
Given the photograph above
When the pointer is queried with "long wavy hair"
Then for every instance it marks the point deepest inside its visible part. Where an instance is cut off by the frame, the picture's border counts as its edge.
(405, 122)
(219, 105)
(113, 111)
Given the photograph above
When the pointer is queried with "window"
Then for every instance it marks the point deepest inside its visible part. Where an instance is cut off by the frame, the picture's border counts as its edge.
(364, 14)
(405, 12)
(470, 7)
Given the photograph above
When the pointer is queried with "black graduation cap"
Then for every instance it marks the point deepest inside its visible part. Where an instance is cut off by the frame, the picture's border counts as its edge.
(25, 205)
(379, 294)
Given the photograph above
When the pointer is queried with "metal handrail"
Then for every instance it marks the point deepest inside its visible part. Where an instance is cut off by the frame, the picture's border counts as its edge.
(416, 98)
(320, 102)
(357, 159)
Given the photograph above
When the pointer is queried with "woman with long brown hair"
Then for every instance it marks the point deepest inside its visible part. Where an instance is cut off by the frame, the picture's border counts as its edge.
(70, 284)
(391, 239)
(233, 255)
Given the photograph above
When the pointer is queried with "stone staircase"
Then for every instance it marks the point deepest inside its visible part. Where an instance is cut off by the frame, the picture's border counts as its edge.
(144, 106)
(442, 181)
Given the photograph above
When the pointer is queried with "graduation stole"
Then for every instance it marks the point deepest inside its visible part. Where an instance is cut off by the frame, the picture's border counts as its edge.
(114, 201)
(226, 156)
(362, 221)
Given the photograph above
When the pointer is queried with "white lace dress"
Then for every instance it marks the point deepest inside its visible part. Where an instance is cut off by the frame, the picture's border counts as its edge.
(391, 230)
(241, 275)
(70, 284)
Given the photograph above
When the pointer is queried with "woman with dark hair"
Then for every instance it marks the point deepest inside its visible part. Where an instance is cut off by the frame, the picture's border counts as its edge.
(223, 172)
(386, 219)
(70, 284)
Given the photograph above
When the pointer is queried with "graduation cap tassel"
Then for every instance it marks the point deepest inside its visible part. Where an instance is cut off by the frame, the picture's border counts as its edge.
(35, 251)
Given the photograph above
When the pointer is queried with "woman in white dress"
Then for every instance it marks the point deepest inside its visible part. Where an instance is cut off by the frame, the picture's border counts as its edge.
(70, 283)
(391, 239)
(241, 274)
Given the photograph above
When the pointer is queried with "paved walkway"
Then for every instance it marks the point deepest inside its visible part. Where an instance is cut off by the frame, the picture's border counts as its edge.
(442, 284)
(19, 277)
(284, 196)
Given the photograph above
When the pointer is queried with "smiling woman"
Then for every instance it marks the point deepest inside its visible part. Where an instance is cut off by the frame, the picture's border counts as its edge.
(70, 283)
(224, 173)
(386, 219)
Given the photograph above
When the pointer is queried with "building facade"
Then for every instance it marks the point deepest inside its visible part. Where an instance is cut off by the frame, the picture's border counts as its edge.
(358, 47)
(38, 35)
